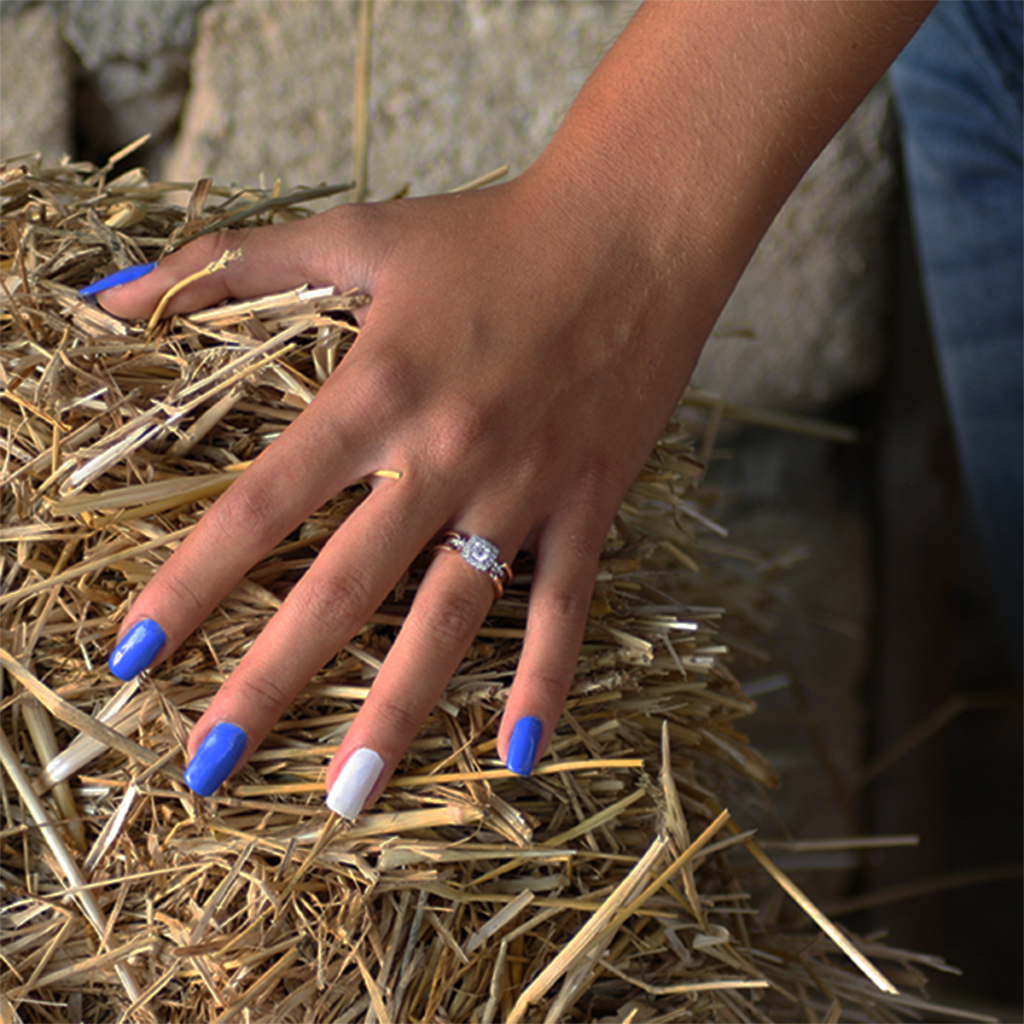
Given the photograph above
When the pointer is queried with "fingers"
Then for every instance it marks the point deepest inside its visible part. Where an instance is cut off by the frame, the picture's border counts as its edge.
(329, 447)
(332, 248)
(442, 622)
(560, 595)
(450, 605)
(350, 578)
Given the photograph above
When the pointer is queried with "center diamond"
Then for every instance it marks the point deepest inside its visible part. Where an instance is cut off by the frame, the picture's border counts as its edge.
(480, 553)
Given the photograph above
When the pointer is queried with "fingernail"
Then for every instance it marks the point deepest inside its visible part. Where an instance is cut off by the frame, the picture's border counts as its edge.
(118, 277)
(353, 784)
(216, 758)
(137, 649)
(522, 746)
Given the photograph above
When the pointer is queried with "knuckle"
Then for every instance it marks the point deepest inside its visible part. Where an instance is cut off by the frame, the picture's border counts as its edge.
(592, 476)
(388, 385)
(336, 603)
(451, 620)
(388, 373)
(396, 719)
(184, 597)
(265, 698)
(550, 683)
(568, 606)
(212, 246)
(249, 509)
(379, 388)
(348, 217)
(458, 438)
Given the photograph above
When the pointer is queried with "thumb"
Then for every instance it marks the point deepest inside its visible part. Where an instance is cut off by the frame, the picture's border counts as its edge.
(273, 259)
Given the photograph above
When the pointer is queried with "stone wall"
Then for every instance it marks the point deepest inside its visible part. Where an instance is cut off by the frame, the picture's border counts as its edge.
(36, 92)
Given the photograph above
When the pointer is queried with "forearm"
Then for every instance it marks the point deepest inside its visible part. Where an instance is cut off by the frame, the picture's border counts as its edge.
(702, 119)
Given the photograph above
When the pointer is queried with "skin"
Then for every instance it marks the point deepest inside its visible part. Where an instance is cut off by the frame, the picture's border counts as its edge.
(524, 348)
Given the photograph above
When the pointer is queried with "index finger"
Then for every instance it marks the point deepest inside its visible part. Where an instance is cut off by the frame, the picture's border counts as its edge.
(331, 445)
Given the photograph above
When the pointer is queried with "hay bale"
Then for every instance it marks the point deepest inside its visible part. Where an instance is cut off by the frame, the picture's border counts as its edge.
(613, 884)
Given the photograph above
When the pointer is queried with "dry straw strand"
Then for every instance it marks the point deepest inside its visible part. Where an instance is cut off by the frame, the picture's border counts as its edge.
(468, 893)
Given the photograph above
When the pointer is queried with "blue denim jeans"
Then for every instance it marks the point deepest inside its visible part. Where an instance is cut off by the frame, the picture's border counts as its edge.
(959, 97)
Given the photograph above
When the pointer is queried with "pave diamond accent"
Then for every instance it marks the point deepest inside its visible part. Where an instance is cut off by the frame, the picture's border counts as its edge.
(480, 554)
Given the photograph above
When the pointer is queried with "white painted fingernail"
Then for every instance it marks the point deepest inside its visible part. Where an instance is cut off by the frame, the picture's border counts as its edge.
(353, 784)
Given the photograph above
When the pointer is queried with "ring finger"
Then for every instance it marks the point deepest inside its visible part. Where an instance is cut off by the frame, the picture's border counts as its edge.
(449, 607)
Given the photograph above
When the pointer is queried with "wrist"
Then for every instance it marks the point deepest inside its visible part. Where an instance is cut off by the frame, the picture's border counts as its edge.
(701, 120)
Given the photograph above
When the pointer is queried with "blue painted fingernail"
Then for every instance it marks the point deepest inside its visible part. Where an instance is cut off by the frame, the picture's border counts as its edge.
(522, 747)
(137, 649)
(216, 758)
(118, 277)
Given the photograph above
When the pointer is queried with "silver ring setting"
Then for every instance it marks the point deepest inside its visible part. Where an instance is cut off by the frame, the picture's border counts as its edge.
(480, 554)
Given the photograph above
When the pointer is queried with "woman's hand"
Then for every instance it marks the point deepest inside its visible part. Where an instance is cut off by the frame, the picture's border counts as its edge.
(505, 367)
(522, 350)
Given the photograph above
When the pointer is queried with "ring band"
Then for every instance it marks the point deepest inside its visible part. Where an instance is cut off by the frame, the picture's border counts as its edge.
(480, 554)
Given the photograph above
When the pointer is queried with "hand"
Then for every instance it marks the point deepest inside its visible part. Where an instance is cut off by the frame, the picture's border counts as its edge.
(523, 348)
(515, 377)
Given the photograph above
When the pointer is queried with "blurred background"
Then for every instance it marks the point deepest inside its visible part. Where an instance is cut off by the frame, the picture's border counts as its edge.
(888, 702)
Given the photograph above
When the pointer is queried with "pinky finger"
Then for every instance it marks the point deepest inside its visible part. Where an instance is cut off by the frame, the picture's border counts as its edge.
(559, 604)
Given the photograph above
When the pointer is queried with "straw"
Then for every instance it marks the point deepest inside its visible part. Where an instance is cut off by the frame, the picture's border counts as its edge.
(467, 893)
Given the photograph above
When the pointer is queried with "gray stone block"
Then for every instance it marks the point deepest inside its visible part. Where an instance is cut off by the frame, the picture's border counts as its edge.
(806, 324)
(122, 100)
(457, 89)
(105, 30)
(35, 83)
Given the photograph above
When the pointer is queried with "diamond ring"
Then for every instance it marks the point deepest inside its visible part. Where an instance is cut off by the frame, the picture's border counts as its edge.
(481, 554)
